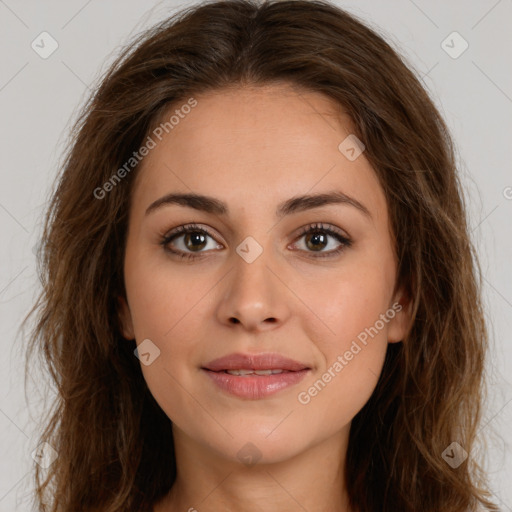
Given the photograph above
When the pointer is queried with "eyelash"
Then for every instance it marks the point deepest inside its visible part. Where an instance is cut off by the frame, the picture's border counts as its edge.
(312, 228)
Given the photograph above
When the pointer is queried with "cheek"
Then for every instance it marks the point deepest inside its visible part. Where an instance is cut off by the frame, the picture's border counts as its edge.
(160, 298)
(165, 305)
(348, 304)
(338, 393)
(352, 341)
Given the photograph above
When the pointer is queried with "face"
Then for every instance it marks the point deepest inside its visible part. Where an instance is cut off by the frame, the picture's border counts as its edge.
(312, 282)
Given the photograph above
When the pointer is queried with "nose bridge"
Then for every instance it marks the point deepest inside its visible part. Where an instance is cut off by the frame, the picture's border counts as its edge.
(251, 273)
(255, 296)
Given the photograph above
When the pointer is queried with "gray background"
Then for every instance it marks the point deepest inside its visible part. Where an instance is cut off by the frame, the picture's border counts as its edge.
(40, 97)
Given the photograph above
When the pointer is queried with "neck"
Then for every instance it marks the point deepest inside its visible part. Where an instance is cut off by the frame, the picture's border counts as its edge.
(311, 480)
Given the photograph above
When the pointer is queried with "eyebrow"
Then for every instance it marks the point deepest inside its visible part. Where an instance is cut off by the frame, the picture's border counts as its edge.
(293, 205)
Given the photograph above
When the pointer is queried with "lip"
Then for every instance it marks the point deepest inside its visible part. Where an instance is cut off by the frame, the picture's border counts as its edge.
(255, 387)
(266, 361)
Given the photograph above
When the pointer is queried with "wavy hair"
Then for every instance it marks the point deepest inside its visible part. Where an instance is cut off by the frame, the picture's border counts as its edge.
(114, 443)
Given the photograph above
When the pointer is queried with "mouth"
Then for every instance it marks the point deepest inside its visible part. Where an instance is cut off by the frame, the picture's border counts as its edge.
(254, 377)
(255, 385)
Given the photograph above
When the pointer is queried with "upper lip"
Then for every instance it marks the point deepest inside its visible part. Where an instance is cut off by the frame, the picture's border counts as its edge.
(267, 361)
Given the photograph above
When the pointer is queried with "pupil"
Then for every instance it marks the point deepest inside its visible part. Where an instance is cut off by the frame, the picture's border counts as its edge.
(194, 237)
(315, 237)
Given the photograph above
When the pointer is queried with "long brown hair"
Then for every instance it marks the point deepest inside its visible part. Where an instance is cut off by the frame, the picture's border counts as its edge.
(114, 443)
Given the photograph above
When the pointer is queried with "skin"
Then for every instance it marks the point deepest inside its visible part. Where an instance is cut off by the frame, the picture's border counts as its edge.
(253, 148)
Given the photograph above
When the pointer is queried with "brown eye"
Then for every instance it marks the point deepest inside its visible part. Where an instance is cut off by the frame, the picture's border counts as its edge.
(317, 237)
(186, 240)
(194, 240)
(316, 241)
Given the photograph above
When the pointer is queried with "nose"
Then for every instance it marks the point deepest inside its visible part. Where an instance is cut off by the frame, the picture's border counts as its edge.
(254, 295)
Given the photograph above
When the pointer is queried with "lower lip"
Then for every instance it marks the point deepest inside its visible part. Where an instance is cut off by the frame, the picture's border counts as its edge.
(255, 387)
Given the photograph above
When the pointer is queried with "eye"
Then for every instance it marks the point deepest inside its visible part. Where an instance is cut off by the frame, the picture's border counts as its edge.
(316, 238)
(193, 239)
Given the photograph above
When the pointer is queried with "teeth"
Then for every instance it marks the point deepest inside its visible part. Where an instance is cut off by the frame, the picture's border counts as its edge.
(252, 372)
(240, 372)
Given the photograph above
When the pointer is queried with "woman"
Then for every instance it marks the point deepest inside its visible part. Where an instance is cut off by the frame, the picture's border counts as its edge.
(259, 289)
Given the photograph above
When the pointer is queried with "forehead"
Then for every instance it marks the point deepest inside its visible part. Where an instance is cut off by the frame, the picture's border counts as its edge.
(256, 144)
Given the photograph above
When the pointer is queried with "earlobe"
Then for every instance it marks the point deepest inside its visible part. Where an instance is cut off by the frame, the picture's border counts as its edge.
(125, 319)
(400, 313)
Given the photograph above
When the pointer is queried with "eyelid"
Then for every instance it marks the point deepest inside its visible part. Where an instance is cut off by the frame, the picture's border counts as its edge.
(321, 226)
(183, 228)
(298, 232)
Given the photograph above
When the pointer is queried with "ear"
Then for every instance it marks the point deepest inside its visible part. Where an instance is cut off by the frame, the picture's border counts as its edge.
(400, 312)
(125, 318)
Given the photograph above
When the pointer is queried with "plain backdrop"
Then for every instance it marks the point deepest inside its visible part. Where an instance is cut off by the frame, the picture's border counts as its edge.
(39, 98)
